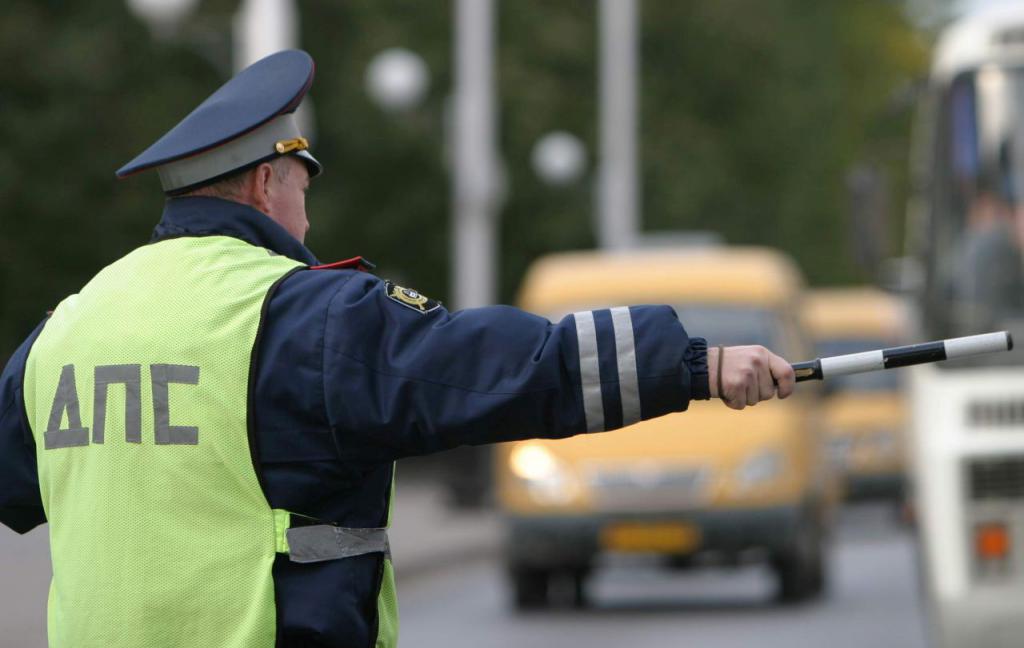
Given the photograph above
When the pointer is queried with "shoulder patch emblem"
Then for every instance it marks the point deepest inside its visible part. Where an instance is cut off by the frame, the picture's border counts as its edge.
(410, 298)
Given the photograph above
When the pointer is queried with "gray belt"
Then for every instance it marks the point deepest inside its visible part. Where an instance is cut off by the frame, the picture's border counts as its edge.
(320, 542)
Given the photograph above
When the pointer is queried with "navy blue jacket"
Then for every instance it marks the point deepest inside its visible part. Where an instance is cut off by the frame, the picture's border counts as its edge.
(350, 377)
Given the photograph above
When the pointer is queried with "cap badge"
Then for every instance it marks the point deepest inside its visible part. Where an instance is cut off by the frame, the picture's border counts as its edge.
(289, 145)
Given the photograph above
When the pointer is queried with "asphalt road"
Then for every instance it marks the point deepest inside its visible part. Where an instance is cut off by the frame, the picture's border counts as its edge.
(872, 602)
(24, 583)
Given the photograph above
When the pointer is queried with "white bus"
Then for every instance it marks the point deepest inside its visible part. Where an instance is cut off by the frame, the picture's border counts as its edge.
(966, 227)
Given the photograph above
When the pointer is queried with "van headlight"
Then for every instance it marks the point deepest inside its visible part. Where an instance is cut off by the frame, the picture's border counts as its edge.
(547, 479)
(760, 467)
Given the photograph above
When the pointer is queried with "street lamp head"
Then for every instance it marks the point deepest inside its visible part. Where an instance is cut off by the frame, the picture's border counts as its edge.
(162, 16)
(559, 158)
(397, 79)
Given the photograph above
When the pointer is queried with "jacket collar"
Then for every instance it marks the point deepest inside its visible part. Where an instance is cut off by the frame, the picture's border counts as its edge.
(203, 216)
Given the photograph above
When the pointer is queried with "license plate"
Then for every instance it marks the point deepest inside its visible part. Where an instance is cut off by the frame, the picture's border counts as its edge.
(656, 537)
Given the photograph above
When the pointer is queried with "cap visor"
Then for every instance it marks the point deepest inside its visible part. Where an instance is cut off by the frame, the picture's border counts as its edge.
(312, 164)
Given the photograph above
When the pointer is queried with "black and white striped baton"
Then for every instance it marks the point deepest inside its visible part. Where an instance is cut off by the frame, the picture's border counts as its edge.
(902, 356)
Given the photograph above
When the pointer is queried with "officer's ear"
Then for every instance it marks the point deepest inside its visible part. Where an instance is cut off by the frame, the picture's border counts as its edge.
(260, 187)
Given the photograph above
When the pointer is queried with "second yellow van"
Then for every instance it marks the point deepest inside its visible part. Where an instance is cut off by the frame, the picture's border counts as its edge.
(864, 414)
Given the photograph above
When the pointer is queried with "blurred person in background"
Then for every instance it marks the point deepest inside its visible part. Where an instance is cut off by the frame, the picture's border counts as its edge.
(989, 280)
(210, 425)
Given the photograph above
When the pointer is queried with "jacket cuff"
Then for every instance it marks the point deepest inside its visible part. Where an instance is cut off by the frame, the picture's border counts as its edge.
(696, 360)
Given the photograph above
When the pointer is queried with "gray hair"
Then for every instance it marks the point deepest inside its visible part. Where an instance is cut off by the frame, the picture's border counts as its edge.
(230, 188)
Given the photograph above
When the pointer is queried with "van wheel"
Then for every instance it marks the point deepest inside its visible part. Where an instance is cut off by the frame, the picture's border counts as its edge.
(568, 588)
(801, 568)
(530, 588)
(579, 582)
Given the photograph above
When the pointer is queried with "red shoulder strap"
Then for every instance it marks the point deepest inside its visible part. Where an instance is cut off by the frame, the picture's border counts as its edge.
(355, 263)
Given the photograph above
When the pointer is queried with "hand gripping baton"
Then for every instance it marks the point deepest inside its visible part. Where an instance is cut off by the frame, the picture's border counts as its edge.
(903, 356)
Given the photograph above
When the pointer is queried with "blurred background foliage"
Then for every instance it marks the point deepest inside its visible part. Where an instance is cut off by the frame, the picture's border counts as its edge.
(752, 116)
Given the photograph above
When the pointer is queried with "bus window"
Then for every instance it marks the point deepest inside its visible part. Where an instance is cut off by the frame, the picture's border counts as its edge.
(977, 273)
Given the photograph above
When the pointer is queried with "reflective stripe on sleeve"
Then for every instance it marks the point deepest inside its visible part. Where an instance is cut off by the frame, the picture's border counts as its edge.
(625, 347)
(590, 371)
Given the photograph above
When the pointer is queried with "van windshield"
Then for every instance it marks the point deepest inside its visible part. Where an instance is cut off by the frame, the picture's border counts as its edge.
(732, 325)
(728, 325)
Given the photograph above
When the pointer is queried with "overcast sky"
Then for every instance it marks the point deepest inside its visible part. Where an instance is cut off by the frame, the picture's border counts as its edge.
(972, 4)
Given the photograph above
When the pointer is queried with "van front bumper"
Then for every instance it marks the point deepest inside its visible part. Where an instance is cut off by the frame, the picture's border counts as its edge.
(567, 540)
(865, 486)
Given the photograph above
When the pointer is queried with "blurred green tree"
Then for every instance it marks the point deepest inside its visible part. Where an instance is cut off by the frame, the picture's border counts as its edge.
(751, 114)
(83, 88)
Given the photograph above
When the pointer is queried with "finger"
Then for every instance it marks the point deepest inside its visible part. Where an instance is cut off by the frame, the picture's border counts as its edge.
(734, 396)
(783, 373)
(753, 390)
(736, 403)
(765, 386)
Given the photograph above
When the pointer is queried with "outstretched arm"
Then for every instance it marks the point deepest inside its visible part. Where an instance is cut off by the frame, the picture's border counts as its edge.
(400, 381)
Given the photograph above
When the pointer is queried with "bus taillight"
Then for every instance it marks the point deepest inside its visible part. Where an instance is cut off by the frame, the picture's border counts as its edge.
(991, 541)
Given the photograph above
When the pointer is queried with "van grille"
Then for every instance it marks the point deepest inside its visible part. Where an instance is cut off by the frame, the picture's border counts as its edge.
(996, 413)
(997, 478)
(647, 489)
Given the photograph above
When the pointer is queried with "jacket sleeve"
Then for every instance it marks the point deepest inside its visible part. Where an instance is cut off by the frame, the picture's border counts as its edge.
(399, 381)
(21, 507)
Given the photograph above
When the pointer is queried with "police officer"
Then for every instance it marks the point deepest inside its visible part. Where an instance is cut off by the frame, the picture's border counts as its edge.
(210, 424)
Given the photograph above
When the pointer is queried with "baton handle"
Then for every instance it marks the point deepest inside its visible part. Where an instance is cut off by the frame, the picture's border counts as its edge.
(807, 370)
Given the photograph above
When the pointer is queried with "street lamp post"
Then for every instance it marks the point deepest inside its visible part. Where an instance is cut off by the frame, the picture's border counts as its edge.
(263, 27)
(474, 181)
(617, 196)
